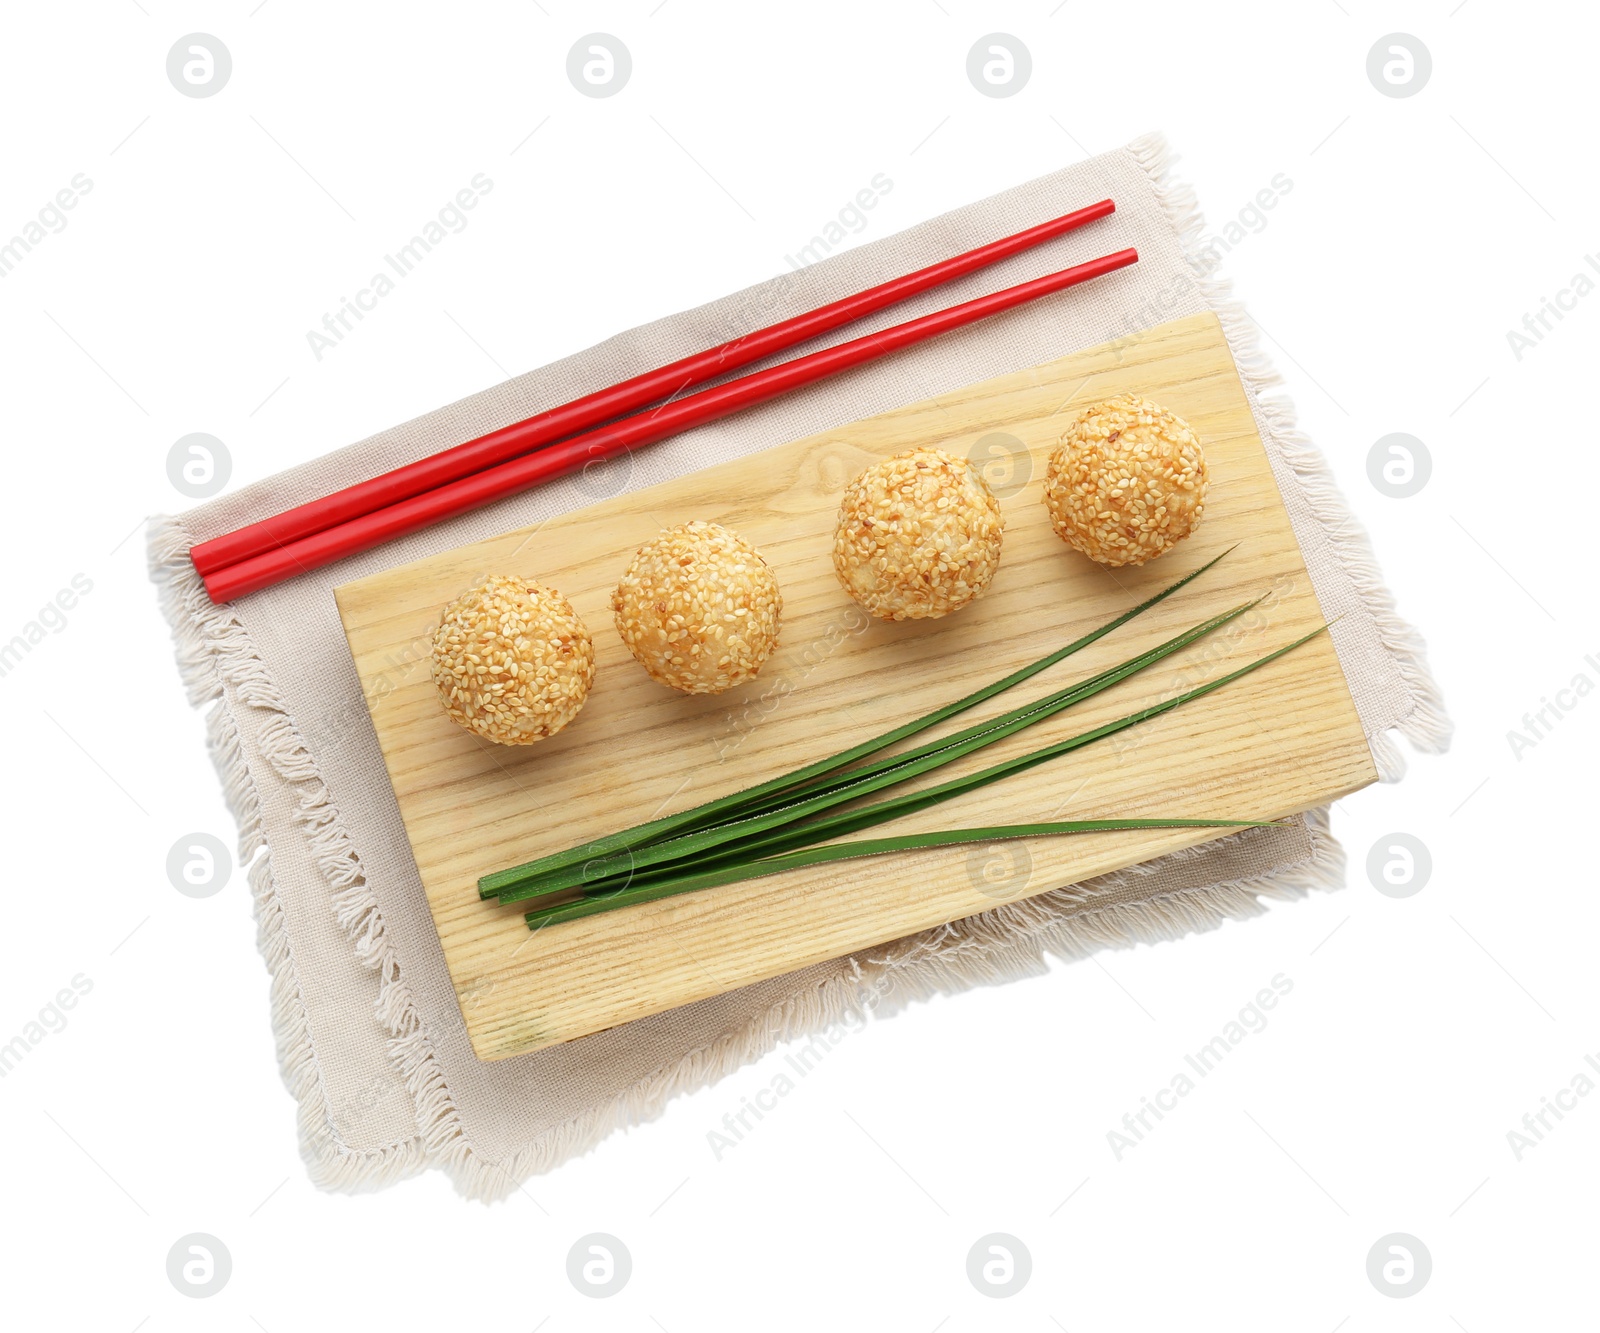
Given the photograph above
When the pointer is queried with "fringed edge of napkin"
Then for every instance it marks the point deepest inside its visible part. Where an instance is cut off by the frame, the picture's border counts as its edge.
(1427, 727)
(1071, 923)
(1008, 943)
(220, 664)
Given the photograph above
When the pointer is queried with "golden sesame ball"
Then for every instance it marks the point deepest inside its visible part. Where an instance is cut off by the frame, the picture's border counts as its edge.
(512, 661)
(699, 608)
(1127, 482)
(918, 535)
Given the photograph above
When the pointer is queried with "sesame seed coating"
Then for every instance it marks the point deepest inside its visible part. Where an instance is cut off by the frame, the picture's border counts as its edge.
(512, 661)
(1127, 482)
(699, 608)
(918, 536)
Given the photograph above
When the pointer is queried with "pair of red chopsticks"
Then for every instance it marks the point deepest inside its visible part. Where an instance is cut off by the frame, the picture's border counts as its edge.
(596, 426)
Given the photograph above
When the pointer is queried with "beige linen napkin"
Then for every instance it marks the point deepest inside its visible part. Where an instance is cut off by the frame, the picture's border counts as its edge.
(369, 1030)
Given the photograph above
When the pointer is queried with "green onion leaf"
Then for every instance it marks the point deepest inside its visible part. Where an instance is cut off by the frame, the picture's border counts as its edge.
(786, 838)
(729, 806)
(852, 784)
(633, 895)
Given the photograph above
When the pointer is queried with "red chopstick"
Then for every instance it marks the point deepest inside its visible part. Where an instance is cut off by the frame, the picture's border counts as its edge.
(712, 404)
(607, 404)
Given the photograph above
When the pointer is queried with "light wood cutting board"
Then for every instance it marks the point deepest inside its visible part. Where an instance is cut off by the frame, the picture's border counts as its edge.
(1280, 741)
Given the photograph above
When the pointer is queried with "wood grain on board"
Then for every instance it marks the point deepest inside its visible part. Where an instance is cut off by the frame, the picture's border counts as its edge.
(1277, 742)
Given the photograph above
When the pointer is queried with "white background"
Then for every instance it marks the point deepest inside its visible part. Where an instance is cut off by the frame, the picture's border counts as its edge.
(1419, 1030)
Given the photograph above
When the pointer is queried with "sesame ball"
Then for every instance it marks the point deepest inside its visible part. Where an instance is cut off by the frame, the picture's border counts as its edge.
(699, 608)
(512, 661)
(1127, 482)
(918, 535)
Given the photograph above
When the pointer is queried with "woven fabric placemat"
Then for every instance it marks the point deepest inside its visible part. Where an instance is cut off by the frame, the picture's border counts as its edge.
(369, 1030)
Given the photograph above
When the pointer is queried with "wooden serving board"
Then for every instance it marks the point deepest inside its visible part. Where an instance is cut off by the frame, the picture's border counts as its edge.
(1280, 741)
